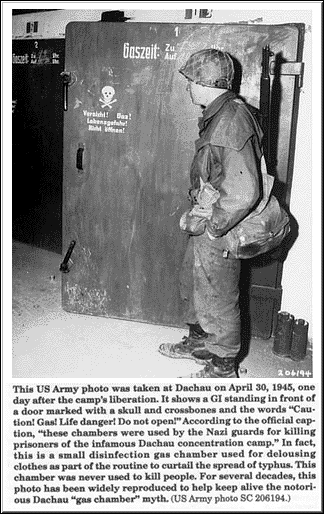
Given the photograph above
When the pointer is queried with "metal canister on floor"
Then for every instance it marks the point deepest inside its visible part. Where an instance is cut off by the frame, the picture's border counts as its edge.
(283, 334)
(299, 340)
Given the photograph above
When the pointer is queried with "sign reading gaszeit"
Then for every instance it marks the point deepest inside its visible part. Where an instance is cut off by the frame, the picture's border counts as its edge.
(41, 52)
(151, 52)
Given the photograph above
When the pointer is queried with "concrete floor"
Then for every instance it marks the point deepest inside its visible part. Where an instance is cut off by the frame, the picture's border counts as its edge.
(49, 342)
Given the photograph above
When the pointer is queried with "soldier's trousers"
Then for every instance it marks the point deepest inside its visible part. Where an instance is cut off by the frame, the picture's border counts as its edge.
(209, 289)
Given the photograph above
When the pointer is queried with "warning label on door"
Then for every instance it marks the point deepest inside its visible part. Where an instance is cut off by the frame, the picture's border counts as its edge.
(98, 121)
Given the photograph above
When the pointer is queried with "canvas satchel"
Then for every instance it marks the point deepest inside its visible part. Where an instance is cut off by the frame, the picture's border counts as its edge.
(263, 229)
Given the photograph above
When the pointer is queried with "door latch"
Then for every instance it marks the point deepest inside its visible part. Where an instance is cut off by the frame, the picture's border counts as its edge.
(79, 157)
(69, 78)
(64, 267)
(290, 68)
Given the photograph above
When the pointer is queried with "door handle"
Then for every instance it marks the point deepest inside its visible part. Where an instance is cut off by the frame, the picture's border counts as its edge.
(79, 157)
(64, 266)
(69, 78)
(65, 95)
(66, 81)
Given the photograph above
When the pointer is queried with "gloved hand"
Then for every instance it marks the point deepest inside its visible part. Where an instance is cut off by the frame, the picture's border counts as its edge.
(194, 221)
(207, 195)
(191, 224)
(201, 212)
(193, 196)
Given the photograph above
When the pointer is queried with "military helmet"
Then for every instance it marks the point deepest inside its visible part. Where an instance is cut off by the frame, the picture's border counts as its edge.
(210, 67)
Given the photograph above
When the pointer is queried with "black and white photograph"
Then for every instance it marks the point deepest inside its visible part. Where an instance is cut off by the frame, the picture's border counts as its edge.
(158, 234)
(165, 267)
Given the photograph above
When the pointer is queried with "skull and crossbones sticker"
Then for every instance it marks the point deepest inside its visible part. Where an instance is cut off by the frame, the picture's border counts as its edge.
(108, 93)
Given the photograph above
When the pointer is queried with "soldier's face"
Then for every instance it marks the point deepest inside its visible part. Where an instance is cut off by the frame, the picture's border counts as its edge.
(196, 93)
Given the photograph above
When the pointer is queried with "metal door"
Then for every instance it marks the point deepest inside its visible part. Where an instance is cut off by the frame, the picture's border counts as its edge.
(129, 133)
(37, 137)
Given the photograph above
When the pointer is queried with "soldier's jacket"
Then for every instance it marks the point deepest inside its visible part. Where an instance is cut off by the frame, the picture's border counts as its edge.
(228, 154)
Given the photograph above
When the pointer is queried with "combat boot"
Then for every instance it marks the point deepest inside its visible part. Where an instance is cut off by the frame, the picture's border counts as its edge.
(194, 342)
(218, 367)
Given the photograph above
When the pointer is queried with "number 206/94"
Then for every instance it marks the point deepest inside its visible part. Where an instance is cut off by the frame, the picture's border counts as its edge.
(293, 373)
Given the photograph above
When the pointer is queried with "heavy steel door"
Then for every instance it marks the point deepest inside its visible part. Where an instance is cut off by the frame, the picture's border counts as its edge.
(129, 133)
(37, 142)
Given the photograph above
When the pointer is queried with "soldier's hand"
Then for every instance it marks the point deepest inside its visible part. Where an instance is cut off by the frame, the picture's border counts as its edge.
(201, 212)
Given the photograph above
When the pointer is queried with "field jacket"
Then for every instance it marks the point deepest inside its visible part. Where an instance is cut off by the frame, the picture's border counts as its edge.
(228, 154)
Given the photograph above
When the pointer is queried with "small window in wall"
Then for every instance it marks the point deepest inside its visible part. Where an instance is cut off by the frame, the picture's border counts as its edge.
(194, 13)
(32, 26)
(205, 13)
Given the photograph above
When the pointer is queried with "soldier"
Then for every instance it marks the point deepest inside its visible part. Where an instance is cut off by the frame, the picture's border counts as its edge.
(225, 187)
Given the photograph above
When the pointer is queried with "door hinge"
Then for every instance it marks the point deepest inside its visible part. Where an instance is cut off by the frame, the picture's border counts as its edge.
(289, 68)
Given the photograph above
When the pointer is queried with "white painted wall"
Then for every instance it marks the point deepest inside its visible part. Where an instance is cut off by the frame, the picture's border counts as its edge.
(51, 25)
(298, 283)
